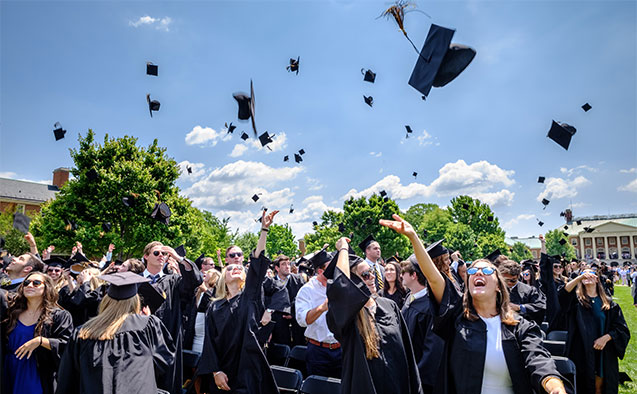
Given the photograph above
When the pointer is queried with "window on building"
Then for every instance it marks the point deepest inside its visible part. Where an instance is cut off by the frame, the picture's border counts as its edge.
(624, 240)
(635, 239)
(599, 241)
(577, 254)
(611, 240)
(574, 241)
(626, 253)
(20, 208)
(589, 253)
(534, 253)
(587, 242)
(613, 254)
(601, 254)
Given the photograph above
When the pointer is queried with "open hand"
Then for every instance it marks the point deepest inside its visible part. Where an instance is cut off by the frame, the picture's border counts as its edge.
(266, 220)
(27, 348)
(342, 242)
(221, 380)
(399, 225)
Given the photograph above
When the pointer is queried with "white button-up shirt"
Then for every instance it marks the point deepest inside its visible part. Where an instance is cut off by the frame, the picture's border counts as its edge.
(311, 295)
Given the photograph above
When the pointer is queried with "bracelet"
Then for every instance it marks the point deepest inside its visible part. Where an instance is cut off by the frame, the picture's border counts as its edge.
(40, 341)
(264, 229)
(341, 249)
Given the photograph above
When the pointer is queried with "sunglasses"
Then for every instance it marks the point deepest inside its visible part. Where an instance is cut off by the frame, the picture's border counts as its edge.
(157, 253)
(556, 266)
(233, 267)
(54, 270)
(485, 270)
(233, 255)
(367, 274)
(36, 282)
(526, 274)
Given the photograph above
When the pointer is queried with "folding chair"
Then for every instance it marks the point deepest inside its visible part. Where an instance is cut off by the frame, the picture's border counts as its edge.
(296, 359)
(277, 354)
(567, 369)
(288, 380)
(557, 336)
(190, 358)
(320, 385)
(556, 348)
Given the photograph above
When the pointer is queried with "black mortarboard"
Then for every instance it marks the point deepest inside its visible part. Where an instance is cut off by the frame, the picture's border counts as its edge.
(199, 260)
(301, 152)
(58, 131)
(565, 227)
(55, 262)
(440, 62)
(255, 198)
(545, 202)
(465, 206)
(383, 193)
(414, 174)
(368, 100)
(368, 75)
(189, 169)
(161, 212)
(586, 107)
(540, 223)
(589, 229)
(21, 222)
(368, 221)
(294, 65)
(565, 234)
(106, 226)
(291, 209)
(489, 218)
(409, 130)
(265, 138)
(230, 127)
(493, 255)
(623, 377)
(286, 158)
(579, 222)
(123, 284)
(562, 241)
(436, 249)
(315, 223)
(92, 174)
(341, 227)
(321, 257)
(562, 214)
(244, 136)
(540, 179)
(561, 133)
(246, 106)
(180, 250)
(150, 296)
(78, 263)
(151, 69)
(365, 243)
(297, 158)
(153, 105)
(424, 233)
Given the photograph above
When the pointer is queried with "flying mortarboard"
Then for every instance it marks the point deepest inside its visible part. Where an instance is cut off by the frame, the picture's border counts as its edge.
(294, 65)
(255, 198)
(301, 152)
(562, 241)
(286, 158)
(540, 179)
(465, 205)
(383, 193)
(297, 158)
(561, 133)
(409, 130)
(151, 69)
(78, 263)
(247, 106)
(161, 213)
(70, 225)
(106, 227)
(123, 284)
(369, 100)
(58, 131)
(365, 243)
(414, 174)
(579, 222)
(586, 107)
(21, 222)
(244, 136)
(265, 138)
(368, 75)
(589, 229)
(493, 255)
(540, 223)
(153, 105)
(291, 209)
(149, 295)
(230, 127)
(565, 227)
(489, 218)
(129, 201)
(545, 202)
(439, 62)
(315, 223)
(341, 227)
(92, 174)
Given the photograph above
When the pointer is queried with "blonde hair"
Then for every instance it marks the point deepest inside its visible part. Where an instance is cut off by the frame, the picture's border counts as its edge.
(112, 314)
(221, 291)
(211, 283)
(367, 327)
(94, 281)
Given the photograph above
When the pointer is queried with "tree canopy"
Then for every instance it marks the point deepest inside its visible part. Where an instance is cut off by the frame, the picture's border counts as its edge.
(553, 246)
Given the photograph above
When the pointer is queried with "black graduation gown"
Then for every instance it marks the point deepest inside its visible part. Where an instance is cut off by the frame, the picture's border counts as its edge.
(550, 289)
(398, 297)
(231, 343)
(527, 361)
(533, 300)
(395, 371)
(281, 299)
(191, 316)
(579, 343)
(141, 350)
(83, 303)
(3, 315)
(428, 346)
(178, 289)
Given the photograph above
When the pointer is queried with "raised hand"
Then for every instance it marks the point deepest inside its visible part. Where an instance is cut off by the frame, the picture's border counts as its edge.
(266, 220)
(399, 225)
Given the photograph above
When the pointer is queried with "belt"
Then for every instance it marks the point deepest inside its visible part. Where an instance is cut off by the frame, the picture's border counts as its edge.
(326, 345)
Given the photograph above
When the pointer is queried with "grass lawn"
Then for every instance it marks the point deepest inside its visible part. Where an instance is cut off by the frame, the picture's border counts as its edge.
(629, 363)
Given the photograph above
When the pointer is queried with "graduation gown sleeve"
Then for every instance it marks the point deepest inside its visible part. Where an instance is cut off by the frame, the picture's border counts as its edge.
(345, 300)
(618, 330)
(58, 334)
(447, 311)
(532, 302)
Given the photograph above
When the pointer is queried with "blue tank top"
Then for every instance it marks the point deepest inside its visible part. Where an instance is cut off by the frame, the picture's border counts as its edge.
(21, 376)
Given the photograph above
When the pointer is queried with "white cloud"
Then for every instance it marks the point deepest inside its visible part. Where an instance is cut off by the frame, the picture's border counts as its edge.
(203, 135)
(279, 142)
(8, 174)
(477, 180)
(159, 23)
(376, 154)
(507, 226)
(555, 188)
(238, 150)
(571, 171)
(629, 171)
(424, 139)
(198, 169)
(13, 175)
(314, 184)
(630, 187)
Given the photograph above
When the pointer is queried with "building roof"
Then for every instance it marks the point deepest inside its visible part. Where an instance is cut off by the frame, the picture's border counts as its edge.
(27, 191)
(598, 220)
(530, 242)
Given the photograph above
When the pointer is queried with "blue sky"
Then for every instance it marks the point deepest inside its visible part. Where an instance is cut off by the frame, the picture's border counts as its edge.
(484, 134)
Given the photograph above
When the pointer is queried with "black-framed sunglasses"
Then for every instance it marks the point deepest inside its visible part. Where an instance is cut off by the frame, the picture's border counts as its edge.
(367, 274)
(485, 270)
(36, 282)
(157, 253)
(555, 266)
(54, 270)
(233, 255)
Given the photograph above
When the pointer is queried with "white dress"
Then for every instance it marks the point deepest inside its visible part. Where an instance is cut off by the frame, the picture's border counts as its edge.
(495, 378)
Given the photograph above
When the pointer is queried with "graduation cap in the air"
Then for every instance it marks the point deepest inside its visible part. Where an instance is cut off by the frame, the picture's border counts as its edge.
(301, 152)
(58, 131)
(92, 174)
(414, 174)
(244, 136)
(465, 206)
(586, 107)
(230, 127)
(436, 249)
(439, 62)
(150, 296)
(424, 233)
(291, 209)
(383, 193)
(151, 69)
(493, 255)
(369, 100)
(78, 263)
(562, 241)
(368, 75)
(255, 198)
(540, 179)
(70, 225)
(129, 201)
(294, 65)
(297, 158)
(561, 133)
(540, 223)
(565, 227)
(589, 229)
(315, 223)
(153, 105)
(180, 250)
(247, 106)
(409, 131)
(545, 202)
(562, 214)
(21, 222)
(286, 158)
(265, 138)
(161, 213)
(106, 227)
(189, 169)
(489, 218)
(341, 227)
(579, 222)
(365, 243)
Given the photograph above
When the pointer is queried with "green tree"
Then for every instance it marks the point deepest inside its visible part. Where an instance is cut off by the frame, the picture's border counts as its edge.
(460, 237)
(325, 232)
(15, 243)
(520, 252)
(416, 214)
(553, 246)
(436, 222)
(488, 243)
(246, 241)
(215, 234)
(281, 241)
(475, 214)
(106, 173)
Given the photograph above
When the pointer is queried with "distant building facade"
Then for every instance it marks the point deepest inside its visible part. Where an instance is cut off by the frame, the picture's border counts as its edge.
(24, 196)
(533, 243)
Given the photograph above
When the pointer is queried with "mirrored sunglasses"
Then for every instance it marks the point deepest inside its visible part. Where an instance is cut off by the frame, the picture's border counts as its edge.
(485, 270)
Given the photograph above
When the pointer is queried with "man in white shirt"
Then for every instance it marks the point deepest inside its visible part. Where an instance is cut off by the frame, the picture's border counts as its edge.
(371, 250)
(323, 356)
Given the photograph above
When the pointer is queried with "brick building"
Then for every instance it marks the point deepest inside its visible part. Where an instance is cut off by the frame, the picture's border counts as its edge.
(29, 196)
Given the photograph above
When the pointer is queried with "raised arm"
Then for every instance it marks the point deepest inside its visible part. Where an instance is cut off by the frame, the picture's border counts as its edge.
(434, 277)
(266, 221)
(571, 284)
(342, 246)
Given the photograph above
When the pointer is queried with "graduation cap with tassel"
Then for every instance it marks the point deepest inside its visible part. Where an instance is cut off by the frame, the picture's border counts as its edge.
(247, 106)
(294, 65)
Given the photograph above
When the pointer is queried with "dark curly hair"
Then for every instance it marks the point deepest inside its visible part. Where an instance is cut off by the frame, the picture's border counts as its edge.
(18, 304)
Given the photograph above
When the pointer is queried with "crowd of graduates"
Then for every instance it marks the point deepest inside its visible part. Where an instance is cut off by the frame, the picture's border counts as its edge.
(428, 323)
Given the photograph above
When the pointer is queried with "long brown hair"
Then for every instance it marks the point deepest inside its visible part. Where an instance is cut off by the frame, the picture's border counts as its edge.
(507, 316)
(366, 326)
(398, 284)
(585, 300)
(19, 304)
(443, 267)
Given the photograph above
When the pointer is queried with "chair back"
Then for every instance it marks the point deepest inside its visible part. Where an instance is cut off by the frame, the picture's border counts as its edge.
(288, 380)
(320, 385)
